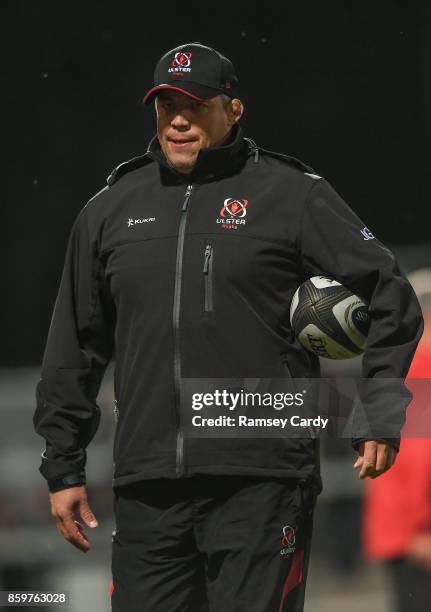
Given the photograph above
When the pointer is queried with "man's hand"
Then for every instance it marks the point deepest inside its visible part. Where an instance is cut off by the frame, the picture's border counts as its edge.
(64, 504)
(374, 459)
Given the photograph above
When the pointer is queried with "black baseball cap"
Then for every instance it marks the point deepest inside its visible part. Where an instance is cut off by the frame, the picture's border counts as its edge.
(195, 70)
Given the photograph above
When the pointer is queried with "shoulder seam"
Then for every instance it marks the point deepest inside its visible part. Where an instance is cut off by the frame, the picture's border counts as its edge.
(292, 161)
(128, 166)
(97, 194)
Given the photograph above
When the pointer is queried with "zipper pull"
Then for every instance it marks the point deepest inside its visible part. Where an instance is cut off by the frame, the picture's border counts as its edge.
(187, 198)
(253, 149)
(207, 258)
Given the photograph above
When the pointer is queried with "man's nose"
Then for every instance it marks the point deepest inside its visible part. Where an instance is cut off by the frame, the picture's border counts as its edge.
(180, 121)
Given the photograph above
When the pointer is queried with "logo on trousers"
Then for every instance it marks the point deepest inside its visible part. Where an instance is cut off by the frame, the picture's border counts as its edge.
(288, 540)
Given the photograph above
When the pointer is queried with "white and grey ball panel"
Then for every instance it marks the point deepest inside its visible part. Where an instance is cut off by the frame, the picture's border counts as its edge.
(328, 319)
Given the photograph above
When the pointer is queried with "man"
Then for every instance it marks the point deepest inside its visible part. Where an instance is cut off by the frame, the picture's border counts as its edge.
(187, 263)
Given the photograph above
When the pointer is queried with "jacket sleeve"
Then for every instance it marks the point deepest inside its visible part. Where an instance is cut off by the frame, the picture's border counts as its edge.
(335, 243)
(78, 350)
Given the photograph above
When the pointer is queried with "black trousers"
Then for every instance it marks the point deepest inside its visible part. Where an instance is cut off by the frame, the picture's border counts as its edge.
(212, 544)
(412, 586)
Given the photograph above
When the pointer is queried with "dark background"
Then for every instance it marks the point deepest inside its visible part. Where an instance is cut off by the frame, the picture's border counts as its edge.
(342, 85)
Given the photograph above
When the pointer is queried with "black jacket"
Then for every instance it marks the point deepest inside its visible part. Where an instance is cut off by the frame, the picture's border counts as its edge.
(192, 276)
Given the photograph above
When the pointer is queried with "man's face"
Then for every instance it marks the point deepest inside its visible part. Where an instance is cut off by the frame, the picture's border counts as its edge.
(185, 126)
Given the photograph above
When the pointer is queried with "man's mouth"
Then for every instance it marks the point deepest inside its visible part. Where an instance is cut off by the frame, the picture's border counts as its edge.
(181, 142)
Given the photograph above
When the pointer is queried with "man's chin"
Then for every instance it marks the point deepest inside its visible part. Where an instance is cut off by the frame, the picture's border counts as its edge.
(185, 166)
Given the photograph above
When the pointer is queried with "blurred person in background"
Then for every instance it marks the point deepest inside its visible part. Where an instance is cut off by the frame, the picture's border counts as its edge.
(397, 506)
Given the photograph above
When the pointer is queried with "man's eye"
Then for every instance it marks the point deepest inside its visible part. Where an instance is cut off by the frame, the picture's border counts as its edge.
(197, 104)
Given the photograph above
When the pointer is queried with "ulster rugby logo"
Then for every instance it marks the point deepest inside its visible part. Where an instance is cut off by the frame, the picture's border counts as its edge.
(181, 62)
(232, 213)
(234, 208)
(287, 541)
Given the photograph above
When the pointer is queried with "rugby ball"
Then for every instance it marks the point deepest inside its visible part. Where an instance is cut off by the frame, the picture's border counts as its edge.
(328, 319)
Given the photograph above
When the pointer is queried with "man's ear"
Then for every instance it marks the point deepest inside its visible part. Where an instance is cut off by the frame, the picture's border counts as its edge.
(235, 111)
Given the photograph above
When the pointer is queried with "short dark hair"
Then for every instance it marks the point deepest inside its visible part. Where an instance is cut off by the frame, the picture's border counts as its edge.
(225, 99)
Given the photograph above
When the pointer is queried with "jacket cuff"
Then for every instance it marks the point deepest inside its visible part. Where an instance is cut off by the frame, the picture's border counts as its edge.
(66, 482)
(394, 442)
(55, 466)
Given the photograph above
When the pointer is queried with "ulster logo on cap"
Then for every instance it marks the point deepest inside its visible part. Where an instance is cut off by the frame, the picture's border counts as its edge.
(181, 62)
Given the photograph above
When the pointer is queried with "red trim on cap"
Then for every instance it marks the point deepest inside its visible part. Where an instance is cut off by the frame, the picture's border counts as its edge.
(111, 588)
(153, 89)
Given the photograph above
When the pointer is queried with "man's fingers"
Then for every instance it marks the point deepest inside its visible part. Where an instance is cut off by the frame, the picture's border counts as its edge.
(81, 531)
(358, 463)
(370, 452)
(72, 532)
(382, 458)
(370, 457)
(86, 514)
(377, 458)
(64, 506)
(385, 459)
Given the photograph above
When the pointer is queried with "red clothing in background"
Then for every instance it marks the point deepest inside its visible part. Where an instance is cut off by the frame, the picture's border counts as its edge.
(397, 505)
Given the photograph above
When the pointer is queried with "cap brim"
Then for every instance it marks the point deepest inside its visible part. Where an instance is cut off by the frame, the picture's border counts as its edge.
(193, 90)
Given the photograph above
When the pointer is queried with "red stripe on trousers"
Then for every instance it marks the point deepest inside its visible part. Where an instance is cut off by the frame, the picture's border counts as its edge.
(294, 577)
(111, 588)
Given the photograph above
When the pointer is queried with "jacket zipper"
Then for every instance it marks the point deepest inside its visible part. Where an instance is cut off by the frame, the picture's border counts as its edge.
(208, 275)
(179, 467)
(116, 410)
(116, 419)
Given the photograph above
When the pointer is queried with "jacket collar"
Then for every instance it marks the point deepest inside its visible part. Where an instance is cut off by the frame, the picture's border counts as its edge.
(210, 163)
